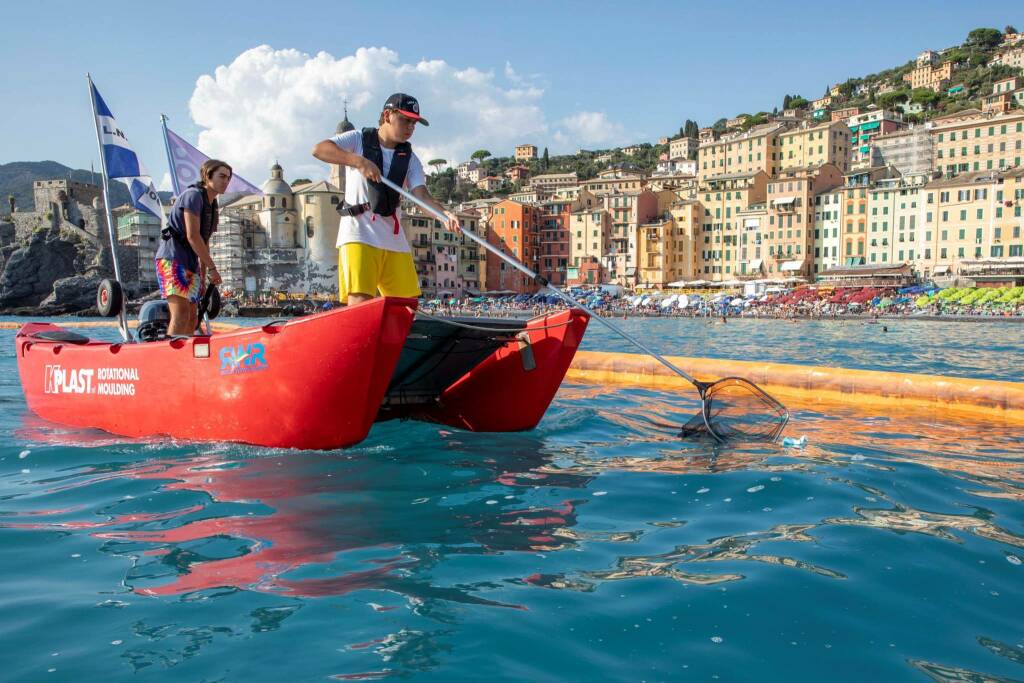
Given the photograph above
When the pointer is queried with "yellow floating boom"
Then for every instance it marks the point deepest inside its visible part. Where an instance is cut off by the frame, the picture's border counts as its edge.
(808, 384)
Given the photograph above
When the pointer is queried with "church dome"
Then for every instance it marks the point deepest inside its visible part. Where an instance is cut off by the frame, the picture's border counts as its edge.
(344, 126)
(276, 185)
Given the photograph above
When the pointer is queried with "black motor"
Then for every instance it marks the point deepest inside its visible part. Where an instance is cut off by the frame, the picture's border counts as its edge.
(154, 317)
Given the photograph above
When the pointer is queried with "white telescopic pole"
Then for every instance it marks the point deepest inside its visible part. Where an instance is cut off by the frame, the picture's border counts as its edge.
(123, 323)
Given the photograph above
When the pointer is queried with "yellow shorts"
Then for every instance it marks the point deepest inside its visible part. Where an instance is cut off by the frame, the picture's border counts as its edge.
(365, 269)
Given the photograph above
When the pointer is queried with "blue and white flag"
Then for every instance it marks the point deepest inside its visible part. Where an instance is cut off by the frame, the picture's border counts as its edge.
(121, 161)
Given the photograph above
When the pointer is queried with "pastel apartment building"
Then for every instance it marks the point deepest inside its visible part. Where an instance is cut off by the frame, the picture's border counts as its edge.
(975, 141)
(758, 149)
(815, 145)
(526, 152)
(682, 148)
(865, 127)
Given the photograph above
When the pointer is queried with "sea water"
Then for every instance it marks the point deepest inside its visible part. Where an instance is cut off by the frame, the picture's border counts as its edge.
(597, 547)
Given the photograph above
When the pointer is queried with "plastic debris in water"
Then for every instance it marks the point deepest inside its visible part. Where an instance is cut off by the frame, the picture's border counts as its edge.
(790, 442)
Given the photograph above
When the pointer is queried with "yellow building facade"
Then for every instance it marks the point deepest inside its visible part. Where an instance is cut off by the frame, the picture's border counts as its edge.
(828, 143)
(972, 141)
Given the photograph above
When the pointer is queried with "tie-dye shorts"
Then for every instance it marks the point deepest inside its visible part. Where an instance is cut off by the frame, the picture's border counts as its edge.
(175, 280)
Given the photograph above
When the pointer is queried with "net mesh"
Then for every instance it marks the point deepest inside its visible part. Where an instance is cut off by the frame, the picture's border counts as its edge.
(737, 409)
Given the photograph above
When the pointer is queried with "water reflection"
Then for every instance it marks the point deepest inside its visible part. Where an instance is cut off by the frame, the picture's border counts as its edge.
(420, 526)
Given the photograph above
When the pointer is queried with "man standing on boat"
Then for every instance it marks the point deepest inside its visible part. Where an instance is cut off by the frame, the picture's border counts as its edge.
(373, 252)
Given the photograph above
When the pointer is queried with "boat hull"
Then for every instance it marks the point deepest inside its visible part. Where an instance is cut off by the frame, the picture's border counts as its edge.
(312, 383)
(508, 390)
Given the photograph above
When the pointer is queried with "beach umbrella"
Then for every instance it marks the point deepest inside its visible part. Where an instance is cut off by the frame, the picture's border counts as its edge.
(683, 301)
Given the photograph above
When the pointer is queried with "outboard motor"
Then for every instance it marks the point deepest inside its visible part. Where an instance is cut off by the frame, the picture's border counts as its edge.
(154, 317)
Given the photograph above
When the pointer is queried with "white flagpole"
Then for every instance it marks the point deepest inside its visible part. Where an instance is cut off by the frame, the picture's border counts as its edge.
(106, 204)
(170, 159)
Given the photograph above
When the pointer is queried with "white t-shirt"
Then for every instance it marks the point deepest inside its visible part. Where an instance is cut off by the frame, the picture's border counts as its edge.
(384, 232)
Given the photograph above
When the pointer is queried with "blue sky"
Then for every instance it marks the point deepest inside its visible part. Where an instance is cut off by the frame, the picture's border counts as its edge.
(571, 74)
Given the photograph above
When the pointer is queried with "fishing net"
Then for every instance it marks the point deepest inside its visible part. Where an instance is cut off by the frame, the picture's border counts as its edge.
(737, 409)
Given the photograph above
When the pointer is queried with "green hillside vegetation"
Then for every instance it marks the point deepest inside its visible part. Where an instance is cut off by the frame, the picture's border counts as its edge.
(970, 69)
(443, 185)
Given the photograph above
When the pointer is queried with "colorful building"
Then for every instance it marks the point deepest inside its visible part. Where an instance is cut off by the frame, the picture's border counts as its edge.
(815, 145)
(589, 233)
(866, 127)
(971, 141)
(513, 228)
(733, 217)
(790, 233)
(758, 149)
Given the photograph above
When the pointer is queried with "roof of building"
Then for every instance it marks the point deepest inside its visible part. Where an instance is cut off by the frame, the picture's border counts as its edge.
(276, 186)
(319, 186)
(971, 178)
(733, 176)
(554, 175)
(755, 132)
(242, 200)
(344, 125)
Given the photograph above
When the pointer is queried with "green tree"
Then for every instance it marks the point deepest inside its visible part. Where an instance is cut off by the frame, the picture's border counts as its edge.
(719, 125)
(984, 38)
(547, 159)
(437, 164)
(300, 181)
(957, 55)
(755, 120)
(442, 185)
(890, 99)
(690, 129)
(926, 96)
(797, 102)
(1010, 29)
(480, 155)
(786, 101)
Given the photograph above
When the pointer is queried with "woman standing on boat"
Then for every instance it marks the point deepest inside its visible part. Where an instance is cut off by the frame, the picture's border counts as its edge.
(183, 260)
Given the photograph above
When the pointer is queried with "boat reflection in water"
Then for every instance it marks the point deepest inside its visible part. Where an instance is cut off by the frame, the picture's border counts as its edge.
(304, 524)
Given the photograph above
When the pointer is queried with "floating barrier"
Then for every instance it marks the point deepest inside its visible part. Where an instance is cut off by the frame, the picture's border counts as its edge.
(807, 384)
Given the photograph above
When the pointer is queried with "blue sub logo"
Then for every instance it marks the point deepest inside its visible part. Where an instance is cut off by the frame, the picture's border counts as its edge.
(242, 358)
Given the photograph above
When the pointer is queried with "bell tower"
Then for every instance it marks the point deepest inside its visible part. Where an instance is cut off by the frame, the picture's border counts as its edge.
(337, 173)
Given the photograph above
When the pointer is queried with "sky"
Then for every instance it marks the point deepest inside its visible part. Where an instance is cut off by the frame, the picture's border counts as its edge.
(257, 82)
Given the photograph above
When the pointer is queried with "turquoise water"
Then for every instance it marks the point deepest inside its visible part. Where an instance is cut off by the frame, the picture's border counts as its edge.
(597, 547)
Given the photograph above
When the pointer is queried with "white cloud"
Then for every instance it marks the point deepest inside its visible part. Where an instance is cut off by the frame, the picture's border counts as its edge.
(273, 105)
(593, 128)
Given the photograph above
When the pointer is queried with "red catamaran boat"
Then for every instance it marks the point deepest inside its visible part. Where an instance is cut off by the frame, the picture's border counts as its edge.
(318, 382)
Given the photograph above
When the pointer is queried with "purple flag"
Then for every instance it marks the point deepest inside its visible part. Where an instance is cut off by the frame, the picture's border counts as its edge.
(185, 163)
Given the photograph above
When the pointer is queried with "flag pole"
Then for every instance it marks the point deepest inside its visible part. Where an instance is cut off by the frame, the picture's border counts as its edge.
(123, 323)
(170, 159)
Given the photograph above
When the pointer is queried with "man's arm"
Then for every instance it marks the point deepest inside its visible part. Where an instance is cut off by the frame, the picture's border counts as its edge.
(328, 152)
(421, 193)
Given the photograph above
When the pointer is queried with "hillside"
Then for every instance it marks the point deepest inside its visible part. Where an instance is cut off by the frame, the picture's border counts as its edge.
(972, 78)
(16, 179)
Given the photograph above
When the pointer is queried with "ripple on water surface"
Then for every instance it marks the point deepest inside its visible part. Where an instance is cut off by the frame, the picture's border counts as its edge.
(598, 546)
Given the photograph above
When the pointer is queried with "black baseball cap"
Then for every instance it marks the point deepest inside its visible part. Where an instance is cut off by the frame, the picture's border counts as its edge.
(407, 105)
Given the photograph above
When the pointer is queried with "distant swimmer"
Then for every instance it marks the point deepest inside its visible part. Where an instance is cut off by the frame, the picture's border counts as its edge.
(885, 328)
